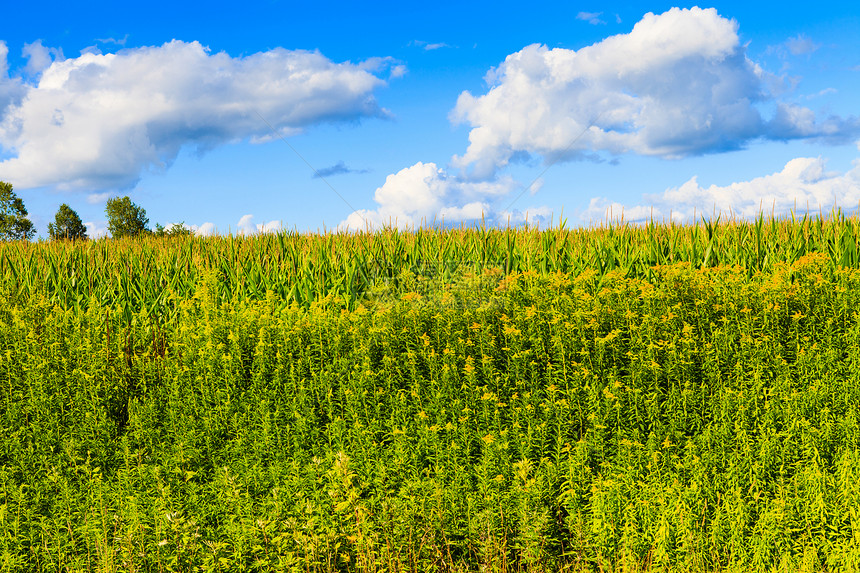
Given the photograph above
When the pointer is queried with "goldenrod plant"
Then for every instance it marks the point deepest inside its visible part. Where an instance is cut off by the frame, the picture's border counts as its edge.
(657, 398)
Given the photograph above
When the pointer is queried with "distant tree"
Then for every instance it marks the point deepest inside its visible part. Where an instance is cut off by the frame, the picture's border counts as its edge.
(14, 224)
(125, 219)
(175, 230)
(67, 225)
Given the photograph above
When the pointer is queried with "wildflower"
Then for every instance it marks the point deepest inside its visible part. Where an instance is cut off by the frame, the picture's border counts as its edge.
(511, 331)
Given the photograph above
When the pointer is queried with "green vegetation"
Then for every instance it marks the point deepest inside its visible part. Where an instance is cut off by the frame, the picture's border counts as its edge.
(175, 230)
(125, 219)
(613, 399)
(67, 225)
(14, 224)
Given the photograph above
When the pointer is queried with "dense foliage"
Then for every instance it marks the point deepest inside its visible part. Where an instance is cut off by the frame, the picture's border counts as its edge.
(151, 274)
(125, 218)
(683, 418)
(67, 225)
(14, 224)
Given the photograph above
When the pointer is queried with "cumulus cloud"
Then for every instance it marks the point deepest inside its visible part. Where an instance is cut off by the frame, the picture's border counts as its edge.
(426, 193)
(99, 120)
(97, 229)
(12, 90)
(679, 84)
(803, 183)
(204, 230)
(40, 57)
(247, 226)
(797, 122)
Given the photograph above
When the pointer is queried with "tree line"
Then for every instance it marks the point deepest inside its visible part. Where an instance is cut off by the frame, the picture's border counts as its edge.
(125, 219)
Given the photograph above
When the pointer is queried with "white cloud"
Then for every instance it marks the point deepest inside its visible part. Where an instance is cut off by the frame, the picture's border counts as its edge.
(247, 226)
(204, 230)
(532, 216)
(429, 46)
(821, 93)
(592, 18)
(96, 229)
(39, 57)
(11, 89)
(801, 45)
(803, 183)
(118, 42)
(96, 198)
(678, 84)
(426, 194)
(98, 121)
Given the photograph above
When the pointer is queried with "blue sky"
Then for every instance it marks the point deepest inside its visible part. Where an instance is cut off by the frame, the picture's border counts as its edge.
(436, 111)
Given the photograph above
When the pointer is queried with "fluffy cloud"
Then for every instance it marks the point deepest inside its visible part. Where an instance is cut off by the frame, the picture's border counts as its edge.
(204, 230)
(803, 183)
(11, 89)
(99, 120)
(39, 57)
(678, 84)
(246, 226)
(97, 229)
(425, 193)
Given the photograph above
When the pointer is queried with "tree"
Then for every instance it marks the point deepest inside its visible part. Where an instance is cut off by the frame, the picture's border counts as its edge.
(14, 224)
(125, 219)
(175, 230)
(67, 225)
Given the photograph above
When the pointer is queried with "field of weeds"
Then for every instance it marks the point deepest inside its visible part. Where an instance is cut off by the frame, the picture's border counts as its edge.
(612, 399)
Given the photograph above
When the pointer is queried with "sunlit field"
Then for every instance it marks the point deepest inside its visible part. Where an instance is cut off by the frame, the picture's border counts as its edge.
(619, 398)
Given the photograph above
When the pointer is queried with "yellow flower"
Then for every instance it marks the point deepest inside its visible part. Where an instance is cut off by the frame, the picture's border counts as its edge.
(489, 439)
(510, 330)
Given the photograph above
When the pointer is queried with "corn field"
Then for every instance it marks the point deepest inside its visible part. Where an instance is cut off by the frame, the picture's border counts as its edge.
(621, 398)
(153, 274)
